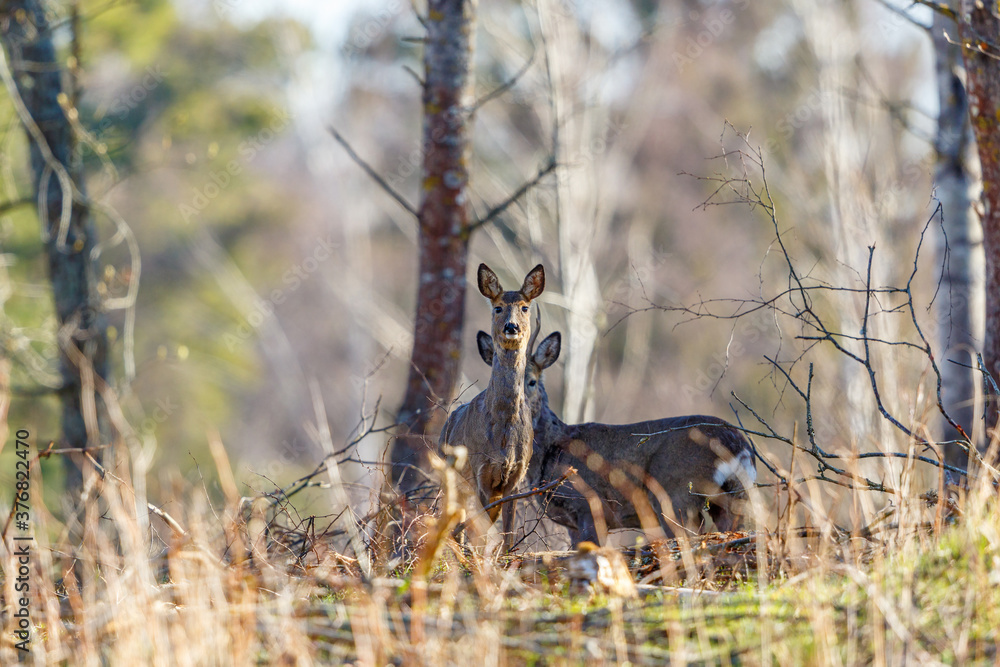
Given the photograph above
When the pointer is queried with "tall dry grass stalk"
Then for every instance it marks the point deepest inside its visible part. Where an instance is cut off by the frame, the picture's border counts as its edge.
(866, 578)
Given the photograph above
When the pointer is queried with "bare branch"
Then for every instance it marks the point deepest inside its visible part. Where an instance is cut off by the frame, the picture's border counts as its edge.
(797, 301)
(170, 521)
(533, 492)
(14, 204)
(416, 77)
(902, 11)
(938, 7)
(374, 175)
(504, 87)
(520, 192)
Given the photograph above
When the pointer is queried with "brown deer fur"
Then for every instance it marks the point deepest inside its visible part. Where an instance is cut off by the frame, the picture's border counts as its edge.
(496, 426)
(700, 462)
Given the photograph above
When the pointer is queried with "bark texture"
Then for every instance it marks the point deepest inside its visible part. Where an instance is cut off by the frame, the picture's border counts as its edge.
(443, 239)
(69, 231)
(979, 31)
(960, 305)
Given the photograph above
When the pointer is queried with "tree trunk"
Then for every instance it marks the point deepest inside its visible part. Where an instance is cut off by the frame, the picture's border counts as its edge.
(68, 229)
(443, 239)
(959, 307)
(4, 399)
(979, 31)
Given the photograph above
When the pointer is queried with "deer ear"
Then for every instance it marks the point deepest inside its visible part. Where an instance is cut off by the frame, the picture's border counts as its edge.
(534, 283)
(548, 350)
(485, 344)
(489, 284)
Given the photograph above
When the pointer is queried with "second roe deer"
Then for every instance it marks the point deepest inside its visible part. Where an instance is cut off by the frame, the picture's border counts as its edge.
(496, 426)
(699, 461)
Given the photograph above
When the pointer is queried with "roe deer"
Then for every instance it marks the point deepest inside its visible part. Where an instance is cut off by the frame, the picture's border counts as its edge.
(496, 426)
(697, 460)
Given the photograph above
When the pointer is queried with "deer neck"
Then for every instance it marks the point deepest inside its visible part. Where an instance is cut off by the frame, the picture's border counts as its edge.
(549, 435)
(547, 425)
(505, 391)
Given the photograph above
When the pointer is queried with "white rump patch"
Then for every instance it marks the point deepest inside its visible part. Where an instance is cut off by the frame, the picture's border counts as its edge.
(740, 467)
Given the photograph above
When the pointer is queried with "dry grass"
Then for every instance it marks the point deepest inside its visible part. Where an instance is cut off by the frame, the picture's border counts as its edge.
(918, 586)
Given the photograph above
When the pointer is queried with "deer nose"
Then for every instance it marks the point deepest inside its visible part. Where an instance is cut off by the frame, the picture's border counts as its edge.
(511, 329)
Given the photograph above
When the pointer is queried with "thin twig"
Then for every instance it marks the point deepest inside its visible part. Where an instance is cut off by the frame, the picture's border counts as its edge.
(938, 7)
(170, 521)
(533, 492)
(902, 12)
(374, 175)
(15, 203)
(512, 199)
(504, 87)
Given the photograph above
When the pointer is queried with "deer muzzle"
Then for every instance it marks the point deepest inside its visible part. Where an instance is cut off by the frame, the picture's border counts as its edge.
(511, 330)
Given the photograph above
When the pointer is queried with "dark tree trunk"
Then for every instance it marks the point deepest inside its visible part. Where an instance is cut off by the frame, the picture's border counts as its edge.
(69, 231)
(443, 239)
(979, 30)
(960, 305)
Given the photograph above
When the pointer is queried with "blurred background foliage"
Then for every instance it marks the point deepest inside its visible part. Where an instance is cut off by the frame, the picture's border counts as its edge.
(269, 259)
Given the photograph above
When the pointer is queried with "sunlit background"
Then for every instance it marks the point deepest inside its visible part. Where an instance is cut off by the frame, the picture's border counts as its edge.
(268, 259)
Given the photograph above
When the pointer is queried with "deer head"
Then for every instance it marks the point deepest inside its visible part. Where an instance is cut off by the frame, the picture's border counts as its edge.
(511, 309)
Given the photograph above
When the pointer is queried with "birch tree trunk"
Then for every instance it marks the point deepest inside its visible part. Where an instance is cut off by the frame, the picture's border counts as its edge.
(581, 209)
(960, 305)
(979, 31)
(443, 237)
(853, 218)
(34, 80)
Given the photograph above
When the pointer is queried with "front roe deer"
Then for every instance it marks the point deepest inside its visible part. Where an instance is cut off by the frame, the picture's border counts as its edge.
(496, 426)
(696, 459)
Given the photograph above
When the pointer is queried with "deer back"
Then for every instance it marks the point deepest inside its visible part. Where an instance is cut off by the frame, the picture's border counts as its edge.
(691, 459)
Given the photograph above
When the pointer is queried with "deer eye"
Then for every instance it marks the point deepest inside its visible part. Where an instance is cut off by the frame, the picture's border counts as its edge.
(524, 309)
(532, 383)
(497, 309)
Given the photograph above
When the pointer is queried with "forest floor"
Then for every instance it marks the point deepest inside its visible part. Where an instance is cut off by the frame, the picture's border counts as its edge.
(938, 603)
(228, 589)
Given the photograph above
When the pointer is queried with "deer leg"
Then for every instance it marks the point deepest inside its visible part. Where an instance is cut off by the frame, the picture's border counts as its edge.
(673, 517)
(723, 516)
(460, 535)
(494, 512)
(508, 525)
(584, 531)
